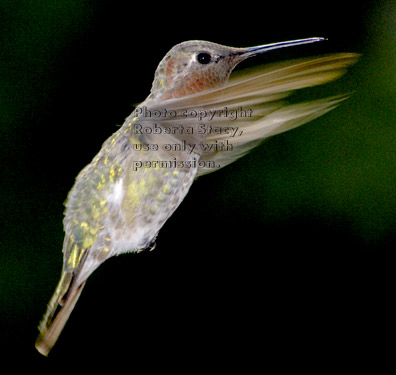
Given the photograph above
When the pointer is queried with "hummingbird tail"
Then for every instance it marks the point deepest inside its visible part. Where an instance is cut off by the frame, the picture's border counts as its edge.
(58, 311)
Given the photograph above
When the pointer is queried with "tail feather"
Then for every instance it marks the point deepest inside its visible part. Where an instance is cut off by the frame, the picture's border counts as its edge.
(58, 311)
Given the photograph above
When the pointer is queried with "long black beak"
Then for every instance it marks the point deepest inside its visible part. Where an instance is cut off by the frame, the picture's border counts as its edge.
(251, 51)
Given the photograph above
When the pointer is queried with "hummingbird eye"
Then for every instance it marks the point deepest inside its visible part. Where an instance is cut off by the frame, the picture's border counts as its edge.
(204, 58)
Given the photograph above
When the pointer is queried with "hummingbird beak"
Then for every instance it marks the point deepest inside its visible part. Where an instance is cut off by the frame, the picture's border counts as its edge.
(252, 51)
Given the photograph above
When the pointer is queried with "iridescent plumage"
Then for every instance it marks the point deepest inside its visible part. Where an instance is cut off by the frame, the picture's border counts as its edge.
(142, 173)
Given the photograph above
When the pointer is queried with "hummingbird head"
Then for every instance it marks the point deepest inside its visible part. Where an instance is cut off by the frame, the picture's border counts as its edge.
(194, 66)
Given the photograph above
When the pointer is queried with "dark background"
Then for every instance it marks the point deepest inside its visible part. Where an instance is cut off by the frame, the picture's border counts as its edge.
(281, 258)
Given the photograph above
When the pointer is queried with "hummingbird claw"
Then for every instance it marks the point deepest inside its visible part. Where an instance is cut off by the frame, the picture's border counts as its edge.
(151, 247)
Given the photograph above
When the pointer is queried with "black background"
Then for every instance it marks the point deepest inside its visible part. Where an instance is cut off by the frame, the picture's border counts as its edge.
(282, 258)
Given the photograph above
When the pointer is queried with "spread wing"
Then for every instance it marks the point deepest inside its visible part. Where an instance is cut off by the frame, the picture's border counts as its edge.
(258, 98)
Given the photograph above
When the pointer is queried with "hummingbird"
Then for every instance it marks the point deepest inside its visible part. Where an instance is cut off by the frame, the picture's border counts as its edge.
(142, 173)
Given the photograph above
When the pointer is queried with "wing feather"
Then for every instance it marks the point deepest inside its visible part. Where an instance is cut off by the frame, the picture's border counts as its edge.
(264, 92)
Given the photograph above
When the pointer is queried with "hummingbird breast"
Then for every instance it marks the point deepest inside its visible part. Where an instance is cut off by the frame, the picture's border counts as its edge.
(143, 199)
(122, 199)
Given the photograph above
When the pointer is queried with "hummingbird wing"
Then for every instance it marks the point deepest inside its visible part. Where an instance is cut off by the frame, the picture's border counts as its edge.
(248, 136)
(261, 94)
(271, 82)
